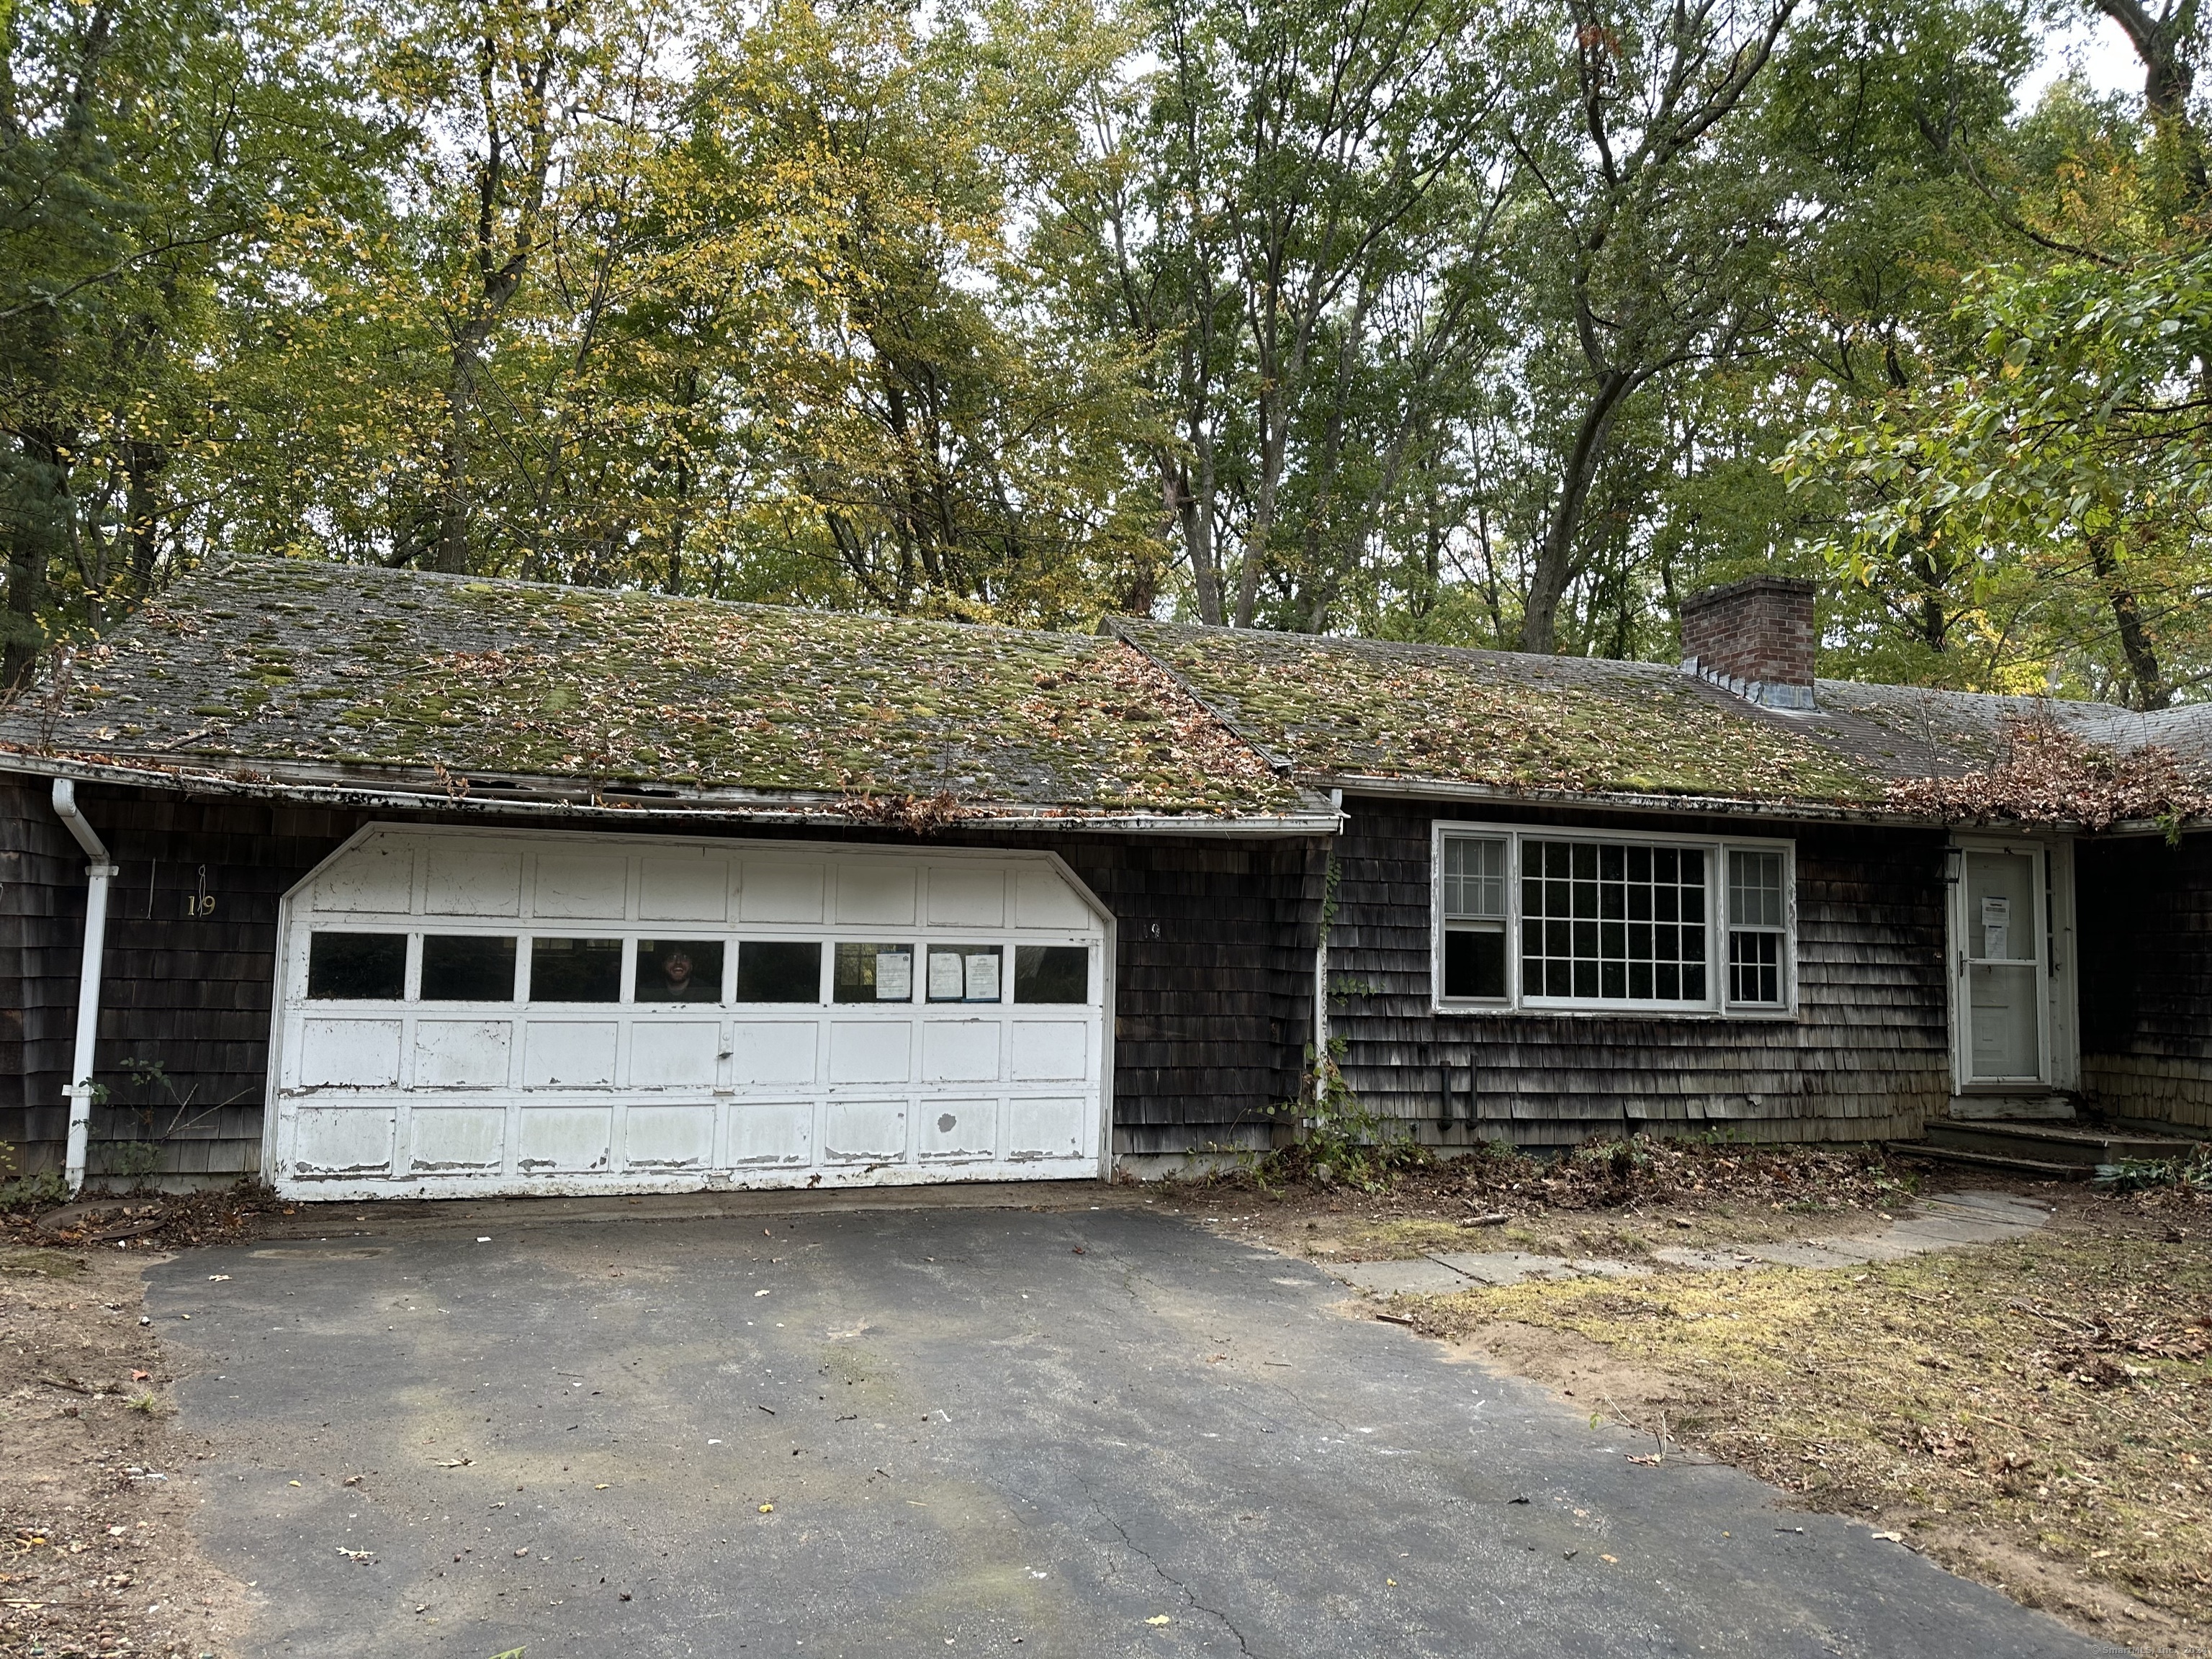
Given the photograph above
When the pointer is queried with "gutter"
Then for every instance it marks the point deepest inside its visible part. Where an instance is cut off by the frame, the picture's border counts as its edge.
(733, 807)
(99, 872)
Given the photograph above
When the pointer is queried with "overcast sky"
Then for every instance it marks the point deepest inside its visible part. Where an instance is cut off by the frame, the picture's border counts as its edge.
(2099, 47)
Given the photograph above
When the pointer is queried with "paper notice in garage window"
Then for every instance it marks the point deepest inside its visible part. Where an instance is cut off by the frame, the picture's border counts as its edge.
(894, 976)
(983, 976)
(1996, 928)
(944, 976)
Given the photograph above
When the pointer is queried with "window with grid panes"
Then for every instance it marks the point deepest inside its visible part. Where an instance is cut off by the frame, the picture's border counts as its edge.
(1536, 918)
(1756, 936)
(1474, 918)
(1612, 922)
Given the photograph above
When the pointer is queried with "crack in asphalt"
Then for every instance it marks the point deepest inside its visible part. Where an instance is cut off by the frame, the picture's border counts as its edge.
(1181, 1589)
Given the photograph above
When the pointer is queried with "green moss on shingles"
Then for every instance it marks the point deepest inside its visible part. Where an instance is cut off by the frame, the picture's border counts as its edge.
(367, 666)
(1346, 708)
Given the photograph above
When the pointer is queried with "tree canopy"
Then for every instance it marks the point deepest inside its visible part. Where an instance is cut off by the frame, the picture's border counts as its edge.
(1501, 323)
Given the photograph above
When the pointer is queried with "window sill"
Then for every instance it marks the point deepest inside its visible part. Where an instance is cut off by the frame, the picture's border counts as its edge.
(1582, 1011)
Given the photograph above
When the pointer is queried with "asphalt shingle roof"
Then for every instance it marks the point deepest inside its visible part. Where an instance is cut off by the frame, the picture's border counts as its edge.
(293, 672)
(313, 670)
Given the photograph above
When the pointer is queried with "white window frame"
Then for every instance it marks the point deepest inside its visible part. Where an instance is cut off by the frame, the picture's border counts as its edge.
(1714, 1006)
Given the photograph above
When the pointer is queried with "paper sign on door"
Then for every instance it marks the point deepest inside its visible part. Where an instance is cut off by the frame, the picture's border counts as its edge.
(1997, 929)
(894, 976)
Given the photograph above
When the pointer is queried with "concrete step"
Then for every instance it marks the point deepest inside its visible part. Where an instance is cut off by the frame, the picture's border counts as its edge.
(2027, 1167)
(2086, 1145)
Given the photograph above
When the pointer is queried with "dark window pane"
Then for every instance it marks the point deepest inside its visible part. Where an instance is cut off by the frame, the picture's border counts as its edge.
(1755, 968)
(576, 970)
(779, 970)
(679, 971)
(1474, 963)
(467, 968)
(875, 973)
(357, 967)
(1052, 973)
(1693, 982)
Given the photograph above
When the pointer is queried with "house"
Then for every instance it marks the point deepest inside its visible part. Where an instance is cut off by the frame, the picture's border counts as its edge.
(406, 885)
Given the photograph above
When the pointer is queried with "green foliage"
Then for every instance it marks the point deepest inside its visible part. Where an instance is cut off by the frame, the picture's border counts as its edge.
(1432, 320)
(1340, 1140)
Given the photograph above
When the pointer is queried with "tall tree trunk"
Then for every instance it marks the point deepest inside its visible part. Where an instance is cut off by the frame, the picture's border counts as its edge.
(36, 527)
(1555, 556)
(2150, 690)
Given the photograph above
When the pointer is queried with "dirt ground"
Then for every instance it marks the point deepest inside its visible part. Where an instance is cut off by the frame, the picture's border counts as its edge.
(2036, 1415)
(96, 1559)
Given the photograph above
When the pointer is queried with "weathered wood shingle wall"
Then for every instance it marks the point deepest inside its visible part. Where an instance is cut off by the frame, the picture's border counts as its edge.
(1213, 1001)
(1865, 1058)
(2144, 914)
(41, 933)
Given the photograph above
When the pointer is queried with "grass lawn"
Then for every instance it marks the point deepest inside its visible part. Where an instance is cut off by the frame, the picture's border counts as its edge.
(2011, 1408)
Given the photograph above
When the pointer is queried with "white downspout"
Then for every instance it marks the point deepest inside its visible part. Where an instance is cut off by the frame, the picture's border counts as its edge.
(99, 872)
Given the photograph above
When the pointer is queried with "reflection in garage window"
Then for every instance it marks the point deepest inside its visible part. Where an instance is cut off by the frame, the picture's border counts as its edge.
(963, 973)
(875, 973)
(357, 967)
(690, 970)
(779, 970)
(1052, 973)
(576, 970)
(467, 968)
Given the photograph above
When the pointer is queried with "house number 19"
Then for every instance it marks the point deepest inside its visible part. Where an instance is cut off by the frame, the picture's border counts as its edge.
(199, 904)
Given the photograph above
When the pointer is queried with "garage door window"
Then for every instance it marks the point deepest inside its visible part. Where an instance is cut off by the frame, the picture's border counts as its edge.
(467, 968)
(357, 967)
(875, 973)
(963, 973)
(683, 970)
(1052, 973)
(576, 970)
(779, 970)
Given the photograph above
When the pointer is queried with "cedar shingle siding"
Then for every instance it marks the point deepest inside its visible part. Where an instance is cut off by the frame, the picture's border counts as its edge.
(1865, 1059)
(2145, 921)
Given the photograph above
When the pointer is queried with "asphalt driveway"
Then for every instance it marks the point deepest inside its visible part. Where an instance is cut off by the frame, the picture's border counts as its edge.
(1070, 1433)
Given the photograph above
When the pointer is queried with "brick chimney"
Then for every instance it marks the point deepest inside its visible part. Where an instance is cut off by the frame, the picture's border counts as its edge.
(1754, 637)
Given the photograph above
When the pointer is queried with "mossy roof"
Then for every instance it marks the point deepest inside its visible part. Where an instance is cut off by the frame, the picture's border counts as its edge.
(287, 672)
(277, 666)
(1344, 709)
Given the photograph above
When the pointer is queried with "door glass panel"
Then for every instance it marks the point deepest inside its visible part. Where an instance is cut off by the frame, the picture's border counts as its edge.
(874, 973)
(576, 970)
(2005, 985)
(357, 967)
(467, 968)
(2002, 1005)
(685, 970)
(777, 971)
(2000, 907)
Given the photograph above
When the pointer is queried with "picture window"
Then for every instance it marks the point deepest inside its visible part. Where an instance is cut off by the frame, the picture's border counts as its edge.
(1551, 918)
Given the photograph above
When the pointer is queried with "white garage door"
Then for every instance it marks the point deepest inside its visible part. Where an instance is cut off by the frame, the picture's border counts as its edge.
(468, 1012)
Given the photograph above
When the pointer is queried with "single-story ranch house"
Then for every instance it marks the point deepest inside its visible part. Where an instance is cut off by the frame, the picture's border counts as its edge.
(386, 883)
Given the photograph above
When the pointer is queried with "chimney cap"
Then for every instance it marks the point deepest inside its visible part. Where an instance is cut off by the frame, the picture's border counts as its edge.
(1744, 586)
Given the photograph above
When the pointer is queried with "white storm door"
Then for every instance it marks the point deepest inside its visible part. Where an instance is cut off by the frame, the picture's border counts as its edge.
(2000, 947)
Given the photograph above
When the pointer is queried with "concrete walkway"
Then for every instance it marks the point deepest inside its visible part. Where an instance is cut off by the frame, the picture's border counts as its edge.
(1934, 1223)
